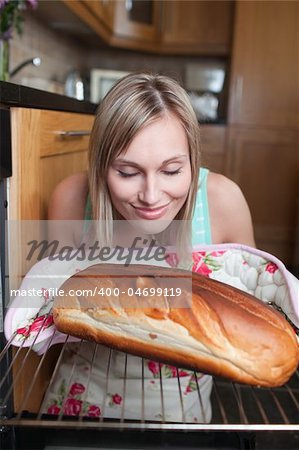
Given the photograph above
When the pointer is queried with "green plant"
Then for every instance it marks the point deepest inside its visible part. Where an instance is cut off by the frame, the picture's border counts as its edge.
(11, 16)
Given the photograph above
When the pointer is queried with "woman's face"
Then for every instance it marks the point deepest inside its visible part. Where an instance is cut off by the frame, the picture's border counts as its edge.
(150, 181)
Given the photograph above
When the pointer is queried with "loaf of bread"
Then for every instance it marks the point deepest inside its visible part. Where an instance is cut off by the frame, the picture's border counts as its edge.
(179, 318)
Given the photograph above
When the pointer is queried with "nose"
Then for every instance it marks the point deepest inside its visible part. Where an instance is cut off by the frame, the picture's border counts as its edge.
(150, 191)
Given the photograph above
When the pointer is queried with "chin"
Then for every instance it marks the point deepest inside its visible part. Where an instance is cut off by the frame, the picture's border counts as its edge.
(149, 227)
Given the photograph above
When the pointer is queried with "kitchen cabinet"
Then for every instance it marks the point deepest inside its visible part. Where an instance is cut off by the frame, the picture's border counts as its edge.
(262, 146)
(102, 9)
(124, 24)
(97, 14)
(264, 163)
(264, 87)
(199, 27)
(175, 27)
(129, 19)
(42, 155)
(213, 147)
(137, 20)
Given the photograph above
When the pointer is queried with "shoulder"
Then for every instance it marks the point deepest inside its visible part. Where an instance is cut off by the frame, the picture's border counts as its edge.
(222, 188)
(230, 215)
(69, 198)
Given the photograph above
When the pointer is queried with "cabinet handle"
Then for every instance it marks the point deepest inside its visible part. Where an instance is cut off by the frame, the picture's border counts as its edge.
(72, 133)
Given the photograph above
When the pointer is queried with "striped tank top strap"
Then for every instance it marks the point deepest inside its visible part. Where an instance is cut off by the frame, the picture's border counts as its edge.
(201, 227)
(87, 214)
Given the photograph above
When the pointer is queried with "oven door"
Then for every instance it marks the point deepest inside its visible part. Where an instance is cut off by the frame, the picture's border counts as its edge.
(5, 173)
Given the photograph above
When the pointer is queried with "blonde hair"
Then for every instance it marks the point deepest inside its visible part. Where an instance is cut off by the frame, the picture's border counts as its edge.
(134, 102)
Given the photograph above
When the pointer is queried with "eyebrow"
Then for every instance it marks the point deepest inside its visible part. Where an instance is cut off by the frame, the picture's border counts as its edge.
(166, 161)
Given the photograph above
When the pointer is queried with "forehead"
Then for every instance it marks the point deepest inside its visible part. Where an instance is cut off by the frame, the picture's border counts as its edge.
(160, 140)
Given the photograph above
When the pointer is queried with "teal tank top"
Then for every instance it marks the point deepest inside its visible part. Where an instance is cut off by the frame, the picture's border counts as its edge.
(201, 227)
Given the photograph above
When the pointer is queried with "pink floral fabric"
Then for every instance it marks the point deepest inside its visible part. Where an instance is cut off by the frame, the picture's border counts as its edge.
(73, 403)
(89, 396)
(245, 268)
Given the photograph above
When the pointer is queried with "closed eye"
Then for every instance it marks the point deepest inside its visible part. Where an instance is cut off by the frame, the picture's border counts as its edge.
(165, 172)
(173, 172)
(126, 175)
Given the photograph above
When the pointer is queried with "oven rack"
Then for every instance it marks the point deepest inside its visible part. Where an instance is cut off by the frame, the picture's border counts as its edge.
(235, 406)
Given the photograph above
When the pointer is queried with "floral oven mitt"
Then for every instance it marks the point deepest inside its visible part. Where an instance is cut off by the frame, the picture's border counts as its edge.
(29, 320)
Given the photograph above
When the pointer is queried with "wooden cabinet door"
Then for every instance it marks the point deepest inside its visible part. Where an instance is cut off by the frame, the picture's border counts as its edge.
(264, 86)
(43, 155)
(131, 24)
(97, 14)
(137, 20)
(213, 147)
(264, 163)
(199, 27)
(103, 10)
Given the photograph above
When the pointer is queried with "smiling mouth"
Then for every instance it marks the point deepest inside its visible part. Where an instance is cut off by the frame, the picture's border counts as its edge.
(151, 213)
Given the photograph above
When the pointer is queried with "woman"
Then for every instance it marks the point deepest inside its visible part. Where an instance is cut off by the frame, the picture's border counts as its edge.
(143, 121)
(144, 166)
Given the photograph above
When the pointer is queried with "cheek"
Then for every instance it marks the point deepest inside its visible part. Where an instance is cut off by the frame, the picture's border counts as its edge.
(120, 189)
(181, 186)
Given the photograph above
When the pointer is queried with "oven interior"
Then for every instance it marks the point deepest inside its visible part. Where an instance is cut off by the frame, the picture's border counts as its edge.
(26, 378)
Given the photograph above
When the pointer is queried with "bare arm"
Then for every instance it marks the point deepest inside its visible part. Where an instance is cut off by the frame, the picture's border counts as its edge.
(230, 216)
(67, 203)
(68, 198)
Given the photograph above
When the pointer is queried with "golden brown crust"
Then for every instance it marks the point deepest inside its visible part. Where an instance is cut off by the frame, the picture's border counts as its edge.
(238, 336)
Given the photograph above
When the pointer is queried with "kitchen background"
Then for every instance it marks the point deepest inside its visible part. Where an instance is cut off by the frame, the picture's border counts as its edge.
(252, 137)
(69, 49)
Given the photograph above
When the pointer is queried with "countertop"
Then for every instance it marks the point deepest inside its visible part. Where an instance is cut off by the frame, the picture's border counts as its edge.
(25, 97)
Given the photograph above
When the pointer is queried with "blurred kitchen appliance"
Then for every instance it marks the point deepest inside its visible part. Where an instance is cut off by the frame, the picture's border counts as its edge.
(205, 84)
(74, 86)
(36, 61)
(101, 81)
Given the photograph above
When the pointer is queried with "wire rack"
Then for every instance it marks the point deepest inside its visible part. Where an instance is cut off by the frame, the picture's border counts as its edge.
(235, 406)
